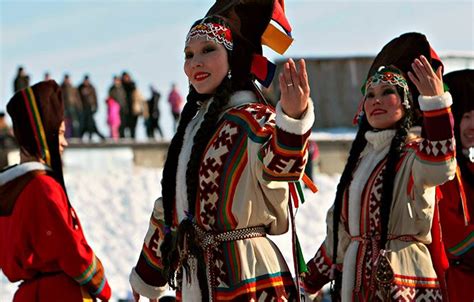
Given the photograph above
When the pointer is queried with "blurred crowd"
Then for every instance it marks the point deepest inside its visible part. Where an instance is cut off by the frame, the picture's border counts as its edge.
(125, 104)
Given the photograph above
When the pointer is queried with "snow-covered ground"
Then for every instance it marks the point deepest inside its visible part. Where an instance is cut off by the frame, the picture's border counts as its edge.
(114, 199)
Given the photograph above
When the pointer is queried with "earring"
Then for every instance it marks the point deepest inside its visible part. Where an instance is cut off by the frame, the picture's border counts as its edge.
(229, 74)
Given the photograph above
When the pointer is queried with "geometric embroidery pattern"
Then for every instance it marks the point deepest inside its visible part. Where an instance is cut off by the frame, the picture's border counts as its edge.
(211, 171)
(437, 148)
(408, 293)
(253, 122)
(321, 265)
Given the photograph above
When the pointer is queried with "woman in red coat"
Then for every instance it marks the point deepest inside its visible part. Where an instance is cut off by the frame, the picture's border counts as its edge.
(41, 238)
(456, 206)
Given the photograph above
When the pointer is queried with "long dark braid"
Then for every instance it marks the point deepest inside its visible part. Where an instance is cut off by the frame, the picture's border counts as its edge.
(396, 149)
(358, 145)
(200, 141)
(202, 138)
(168, 182)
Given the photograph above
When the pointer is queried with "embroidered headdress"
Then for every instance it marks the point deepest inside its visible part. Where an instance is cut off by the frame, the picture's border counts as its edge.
(400, 53)
(249, 25)
(212, 32)
(390, 76)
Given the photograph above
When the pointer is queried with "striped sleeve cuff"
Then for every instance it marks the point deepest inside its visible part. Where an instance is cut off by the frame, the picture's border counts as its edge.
(464, 246)
(93, 278)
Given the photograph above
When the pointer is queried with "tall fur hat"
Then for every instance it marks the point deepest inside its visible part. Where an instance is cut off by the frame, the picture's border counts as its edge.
(251, 26)
(401, 52)
(461, 87)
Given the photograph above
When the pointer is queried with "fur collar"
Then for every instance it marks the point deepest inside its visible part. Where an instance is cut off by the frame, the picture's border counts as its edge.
(16, 171)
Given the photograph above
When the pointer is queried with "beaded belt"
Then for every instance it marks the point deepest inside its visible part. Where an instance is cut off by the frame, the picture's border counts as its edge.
(210, 240)
(372, 240)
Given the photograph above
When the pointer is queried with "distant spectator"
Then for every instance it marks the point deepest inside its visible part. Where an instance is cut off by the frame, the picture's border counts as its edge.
(153, 120)
(117, 92)
(134, 106)
(89, 106)
(113, 117)
(7, 140)
(176, 101)
(22, 80)
(6, 132)
(47, 76)
(72, 108)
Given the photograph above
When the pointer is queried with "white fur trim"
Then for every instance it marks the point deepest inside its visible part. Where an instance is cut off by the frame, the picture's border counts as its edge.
(20, 170)
(138, 285)
(430, 103)
(380, 139)
(295, 126)
(241, 97)
(183, 159)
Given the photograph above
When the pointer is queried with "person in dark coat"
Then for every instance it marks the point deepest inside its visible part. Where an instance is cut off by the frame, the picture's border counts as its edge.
(72, 108)
(22, 80)
(130, 93)
(153, 120)
(89, 106)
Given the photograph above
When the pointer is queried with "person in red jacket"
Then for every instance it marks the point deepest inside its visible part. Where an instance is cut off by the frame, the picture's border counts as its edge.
(457, 204)
(41, 238)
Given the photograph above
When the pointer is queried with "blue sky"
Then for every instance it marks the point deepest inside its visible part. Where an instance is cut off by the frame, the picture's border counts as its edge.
(146, 38)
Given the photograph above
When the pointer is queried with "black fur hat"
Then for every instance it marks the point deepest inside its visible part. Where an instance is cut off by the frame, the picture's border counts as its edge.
(461, 87)
(401, 52)
(250, 23)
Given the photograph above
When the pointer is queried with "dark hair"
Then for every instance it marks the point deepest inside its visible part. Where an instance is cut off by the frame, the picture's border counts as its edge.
(461, 158)
(396, 148)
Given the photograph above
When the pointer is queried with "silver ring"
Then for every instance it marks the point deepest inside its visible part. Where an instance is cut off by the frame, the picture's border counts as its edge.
(289, 85)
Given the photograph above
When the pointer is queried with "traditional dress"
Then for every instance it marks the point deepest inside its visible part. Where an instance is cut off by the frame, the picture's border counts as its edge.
(458, 239)
(428, 160)
(243, 193)
(42, 243)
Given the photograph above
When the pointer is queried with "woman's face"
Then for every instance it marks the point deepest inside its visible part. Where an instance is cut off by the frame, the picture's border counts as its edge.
(466, 129)
(383, 106)
(62, 138)
(206, 64)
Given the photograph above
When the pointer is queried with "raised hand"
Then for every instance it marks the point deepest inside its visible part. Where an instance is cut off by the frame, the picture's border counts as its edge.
(294, 89)
(428, 82)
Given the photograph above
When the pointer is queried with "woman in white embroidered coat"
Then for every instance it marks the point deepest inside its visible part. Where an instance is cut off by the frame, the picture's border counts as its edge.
(380, 223)
(225, 181)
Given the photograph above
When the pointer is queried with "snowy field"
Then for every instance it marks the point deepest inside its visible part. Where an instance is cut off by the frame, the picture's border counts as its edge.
(114, 199)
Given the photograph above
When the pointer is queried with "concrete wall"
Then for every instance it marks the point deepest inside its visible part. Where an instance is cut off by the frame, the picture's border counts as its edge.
(335, 84)
(333, 153)
(335, 88)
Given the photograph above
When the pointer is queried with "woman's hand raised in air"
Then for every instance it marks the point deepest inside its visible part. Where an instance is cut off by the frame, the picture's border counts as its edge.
(427, 81)
(294, 88)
